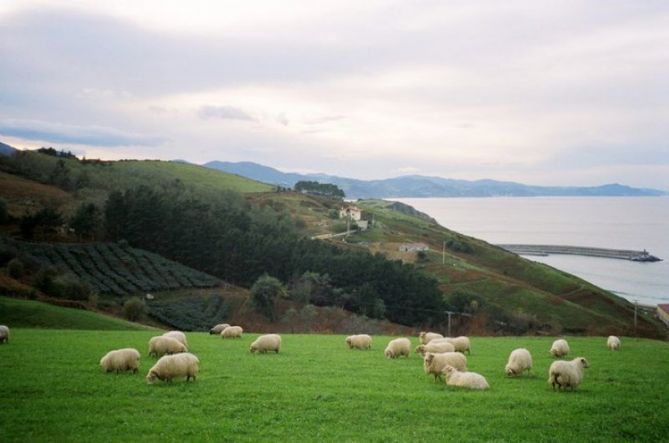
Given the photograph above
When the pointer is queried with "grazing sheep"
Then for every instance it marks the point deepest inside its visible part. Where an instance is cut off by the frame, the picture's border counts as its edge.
(469, 380)
(177, 335)
(435, 363)
(567, 374)
(218, 328)
(461, 344)
(360, 341)
(232, 332)
(520, 360)
(397, 348)
(174, 366)
(560, 348)
(4, 334)
(436, 347)
(268, 342)
(613, 343)
(161, 345)
(119, 360)
(426, 337)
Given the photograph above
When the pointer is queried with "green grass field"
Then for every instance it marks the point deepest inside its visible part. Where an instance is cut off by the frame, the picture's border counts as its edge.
(317, 389)
(28, 313)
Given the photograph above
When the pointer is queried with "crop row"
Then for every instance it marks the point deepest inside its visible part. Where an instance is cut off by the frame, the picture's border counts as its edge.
(108, 268)
(190, 314)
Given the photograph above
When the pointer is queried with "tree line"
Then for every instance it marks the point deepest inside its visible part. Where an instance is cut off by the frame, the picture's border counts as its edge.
(239, 243)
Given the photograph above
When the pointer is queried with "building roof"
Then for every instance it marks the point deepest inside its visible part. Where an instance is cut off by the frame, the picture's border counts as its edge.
(664, 307)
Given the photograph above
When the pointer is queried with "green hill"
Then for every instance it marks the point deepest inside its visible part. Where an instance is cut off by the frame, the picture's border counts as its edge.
(225, 226)
(33, 314)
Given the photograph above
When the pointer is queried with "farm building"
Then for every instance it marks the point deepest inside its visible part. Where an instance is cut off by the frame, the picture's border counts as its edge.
(351, 211)
(414, 247)
(663, 313)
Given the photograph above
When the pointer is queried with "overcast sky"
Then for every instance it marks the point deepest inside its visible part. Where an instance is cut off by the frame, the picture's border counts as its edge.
(541, 92)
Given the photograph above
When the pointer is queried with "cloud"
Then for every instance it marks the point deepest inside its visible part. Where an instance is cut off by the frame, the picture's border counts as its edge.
(81, 135)
(224, 112)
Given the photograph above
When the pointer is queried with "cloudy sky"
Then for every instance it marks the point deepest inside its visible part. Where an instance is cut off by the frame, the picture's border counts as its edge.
(542, 92)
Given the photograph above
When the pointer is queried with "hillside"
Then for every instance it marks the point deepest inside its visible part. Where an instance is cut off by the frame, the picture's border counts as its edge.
(34, 314)
(112, 269)
(423, 186)
(238, 237)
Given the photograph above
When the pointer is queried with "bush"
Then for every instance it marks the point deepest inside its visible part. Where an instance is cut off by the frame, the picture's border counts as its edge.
(15, 268)
(134, 309)
(70, 287)
(264, 293)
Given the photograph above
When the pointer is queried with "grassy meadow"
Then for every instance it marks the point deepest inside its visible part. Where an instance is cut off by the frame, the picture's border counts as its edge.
(317, 389)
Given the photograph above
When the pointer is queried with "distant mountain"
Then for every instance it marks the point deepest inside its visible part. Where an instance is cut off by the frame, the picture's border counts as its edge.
(5, 149)
(422, 186)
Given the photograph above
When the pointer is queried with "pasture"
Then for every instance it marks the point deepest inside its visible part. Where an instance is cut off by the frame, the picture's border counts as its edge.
(317, 389)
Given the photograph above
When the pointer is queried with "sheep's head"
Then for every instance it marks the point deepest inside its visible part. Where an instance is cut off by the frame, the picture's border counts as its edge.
(428, 357)
(252, 348)
(388, 353)
(348, 341)
(448, 370)
(151, 377)
(422, 335)
(509, 371)
(583, 362)
(420, 349)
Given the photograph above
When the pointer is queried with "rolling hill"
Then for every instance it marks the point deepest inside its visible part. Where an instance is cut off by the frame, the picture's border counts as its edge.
(499, 292)
(422, 186)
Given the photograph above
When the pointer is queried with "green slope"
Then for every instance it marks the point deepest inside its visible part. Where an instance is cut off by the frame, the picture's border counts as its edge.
(17, 313)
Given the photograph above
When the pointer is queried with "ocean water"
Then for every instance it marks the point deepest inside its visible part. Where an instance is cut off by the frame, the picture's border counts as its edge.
(606, 222)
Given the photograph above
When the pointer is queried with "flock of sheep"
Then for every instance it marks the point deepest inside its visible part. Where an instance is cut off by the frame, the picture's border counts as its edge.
(445, 356)
(174, 360)
(442, 357)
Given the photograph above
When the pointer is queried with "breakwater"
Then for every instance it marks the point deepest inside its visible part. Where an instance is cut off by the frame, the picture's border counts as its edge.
(544, 250)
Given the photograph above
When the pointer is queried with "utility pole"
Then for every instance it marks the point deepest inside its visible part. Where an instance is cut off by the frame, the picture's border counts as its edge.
(636, 304)
(443, 262)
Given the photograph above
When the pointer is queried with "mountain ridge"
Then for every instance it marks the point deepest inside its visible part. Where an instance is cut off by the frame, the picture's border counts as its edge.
(428, 186)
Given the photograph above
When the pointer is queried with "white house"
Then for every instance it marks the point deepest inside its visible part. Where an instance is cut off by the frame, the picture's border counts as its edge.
(351, 211)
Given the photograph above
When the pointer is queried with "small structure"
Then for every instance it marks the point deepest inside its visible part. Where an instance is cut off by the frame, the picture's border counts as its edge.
(351, 211)
(414, 247)
(663, 313)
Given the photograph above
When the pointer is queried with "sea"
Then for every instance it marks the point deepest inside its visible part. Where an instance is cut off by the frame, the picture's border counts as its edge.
(635, 223)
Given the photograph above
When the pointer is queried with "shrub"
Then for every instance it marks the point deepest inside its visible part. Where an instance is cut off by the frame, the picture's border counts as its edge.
(134, 309)
(264, 293)
(70, 287)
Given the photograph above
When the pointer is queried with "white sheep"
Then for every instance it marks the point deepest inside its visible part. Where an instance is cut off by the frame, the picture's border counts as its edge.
(161, 345)
(469, 380)
(436, 347)
(218, 328)
(232, 332)
(360, 341)
(426, 337)
(174, 366)
(520, 360)
(119, 360)
(397, 348)
(560, 348)
(567, 374)
(461, 344)
(435, 363)
(613, 343)
(4, 334)
(177, 335)
(267, 342)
